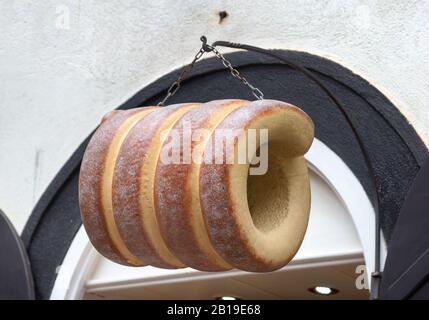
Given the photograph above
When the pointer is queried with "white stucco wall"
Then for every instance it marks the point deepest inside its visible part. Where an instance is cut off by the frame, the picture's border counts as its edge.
(63, 64)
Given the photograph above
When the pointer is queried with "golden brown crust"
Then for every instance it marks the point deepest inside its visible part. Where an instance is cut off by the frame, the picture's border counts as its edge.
(233, 232)
(176, 195)
(91, 179)
(133, 184)
(139, 209)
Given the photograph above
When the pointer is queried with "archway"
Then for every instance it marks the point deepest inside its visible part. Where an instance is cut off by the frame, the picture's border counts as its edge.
(395, 148)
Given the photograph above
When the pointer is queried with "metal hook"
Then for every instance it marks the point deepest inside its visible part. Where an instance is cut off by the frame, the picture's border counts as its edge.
(206, 47)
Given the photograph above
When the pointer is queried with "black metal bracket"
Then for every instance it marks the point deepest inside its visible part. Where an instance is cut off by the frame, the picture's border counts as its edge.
(376, 274)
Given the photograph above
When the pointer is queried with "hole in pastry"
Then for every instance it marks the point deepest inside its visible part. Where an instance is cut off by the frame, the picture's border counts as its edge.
(267, 194)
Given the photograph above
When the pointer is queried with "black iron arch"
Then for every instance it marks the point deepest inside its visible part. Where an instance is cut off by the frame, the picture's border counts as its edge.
(395, 149)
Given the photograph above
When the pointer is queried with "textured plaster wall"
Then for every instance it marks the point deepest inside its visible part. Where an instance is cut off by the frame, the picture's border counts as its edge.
(63, 64)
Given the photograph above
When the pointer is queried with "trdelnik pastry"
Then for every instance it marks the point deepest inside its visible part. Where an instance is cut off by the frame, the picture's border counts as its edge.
(206, 214)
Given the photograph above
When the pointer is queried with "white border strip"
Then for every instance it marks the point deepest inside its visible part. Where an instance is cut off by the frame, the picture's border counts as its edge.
(95, 286)
(330, 167)
(78, 265)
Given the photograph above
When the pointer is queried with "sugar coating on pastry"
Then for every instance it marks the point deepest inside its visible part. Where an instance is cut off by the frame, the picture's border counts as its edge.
(95, 184)
(177, 190)
(133, 186)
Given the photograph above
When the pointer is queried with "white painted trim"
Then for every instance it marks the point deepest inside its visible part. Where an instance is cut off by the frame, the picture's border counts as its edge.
(330, 167)
(77, 266)
(94, 286)
(81, 258)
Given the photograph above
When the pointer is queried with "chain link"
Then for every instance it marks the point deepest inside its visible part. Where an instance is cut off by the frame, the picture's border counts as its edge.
(234, 72)
(176, 84)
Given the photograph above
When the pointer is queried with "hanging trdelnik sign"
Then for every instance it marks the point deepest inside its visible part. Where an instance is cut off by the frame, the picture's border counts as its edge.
(212, 186)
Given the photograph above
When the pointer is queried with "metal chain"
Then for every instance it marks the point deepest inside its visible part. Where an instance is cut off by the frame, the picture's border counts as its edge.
(176, 84)
(234, 72)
